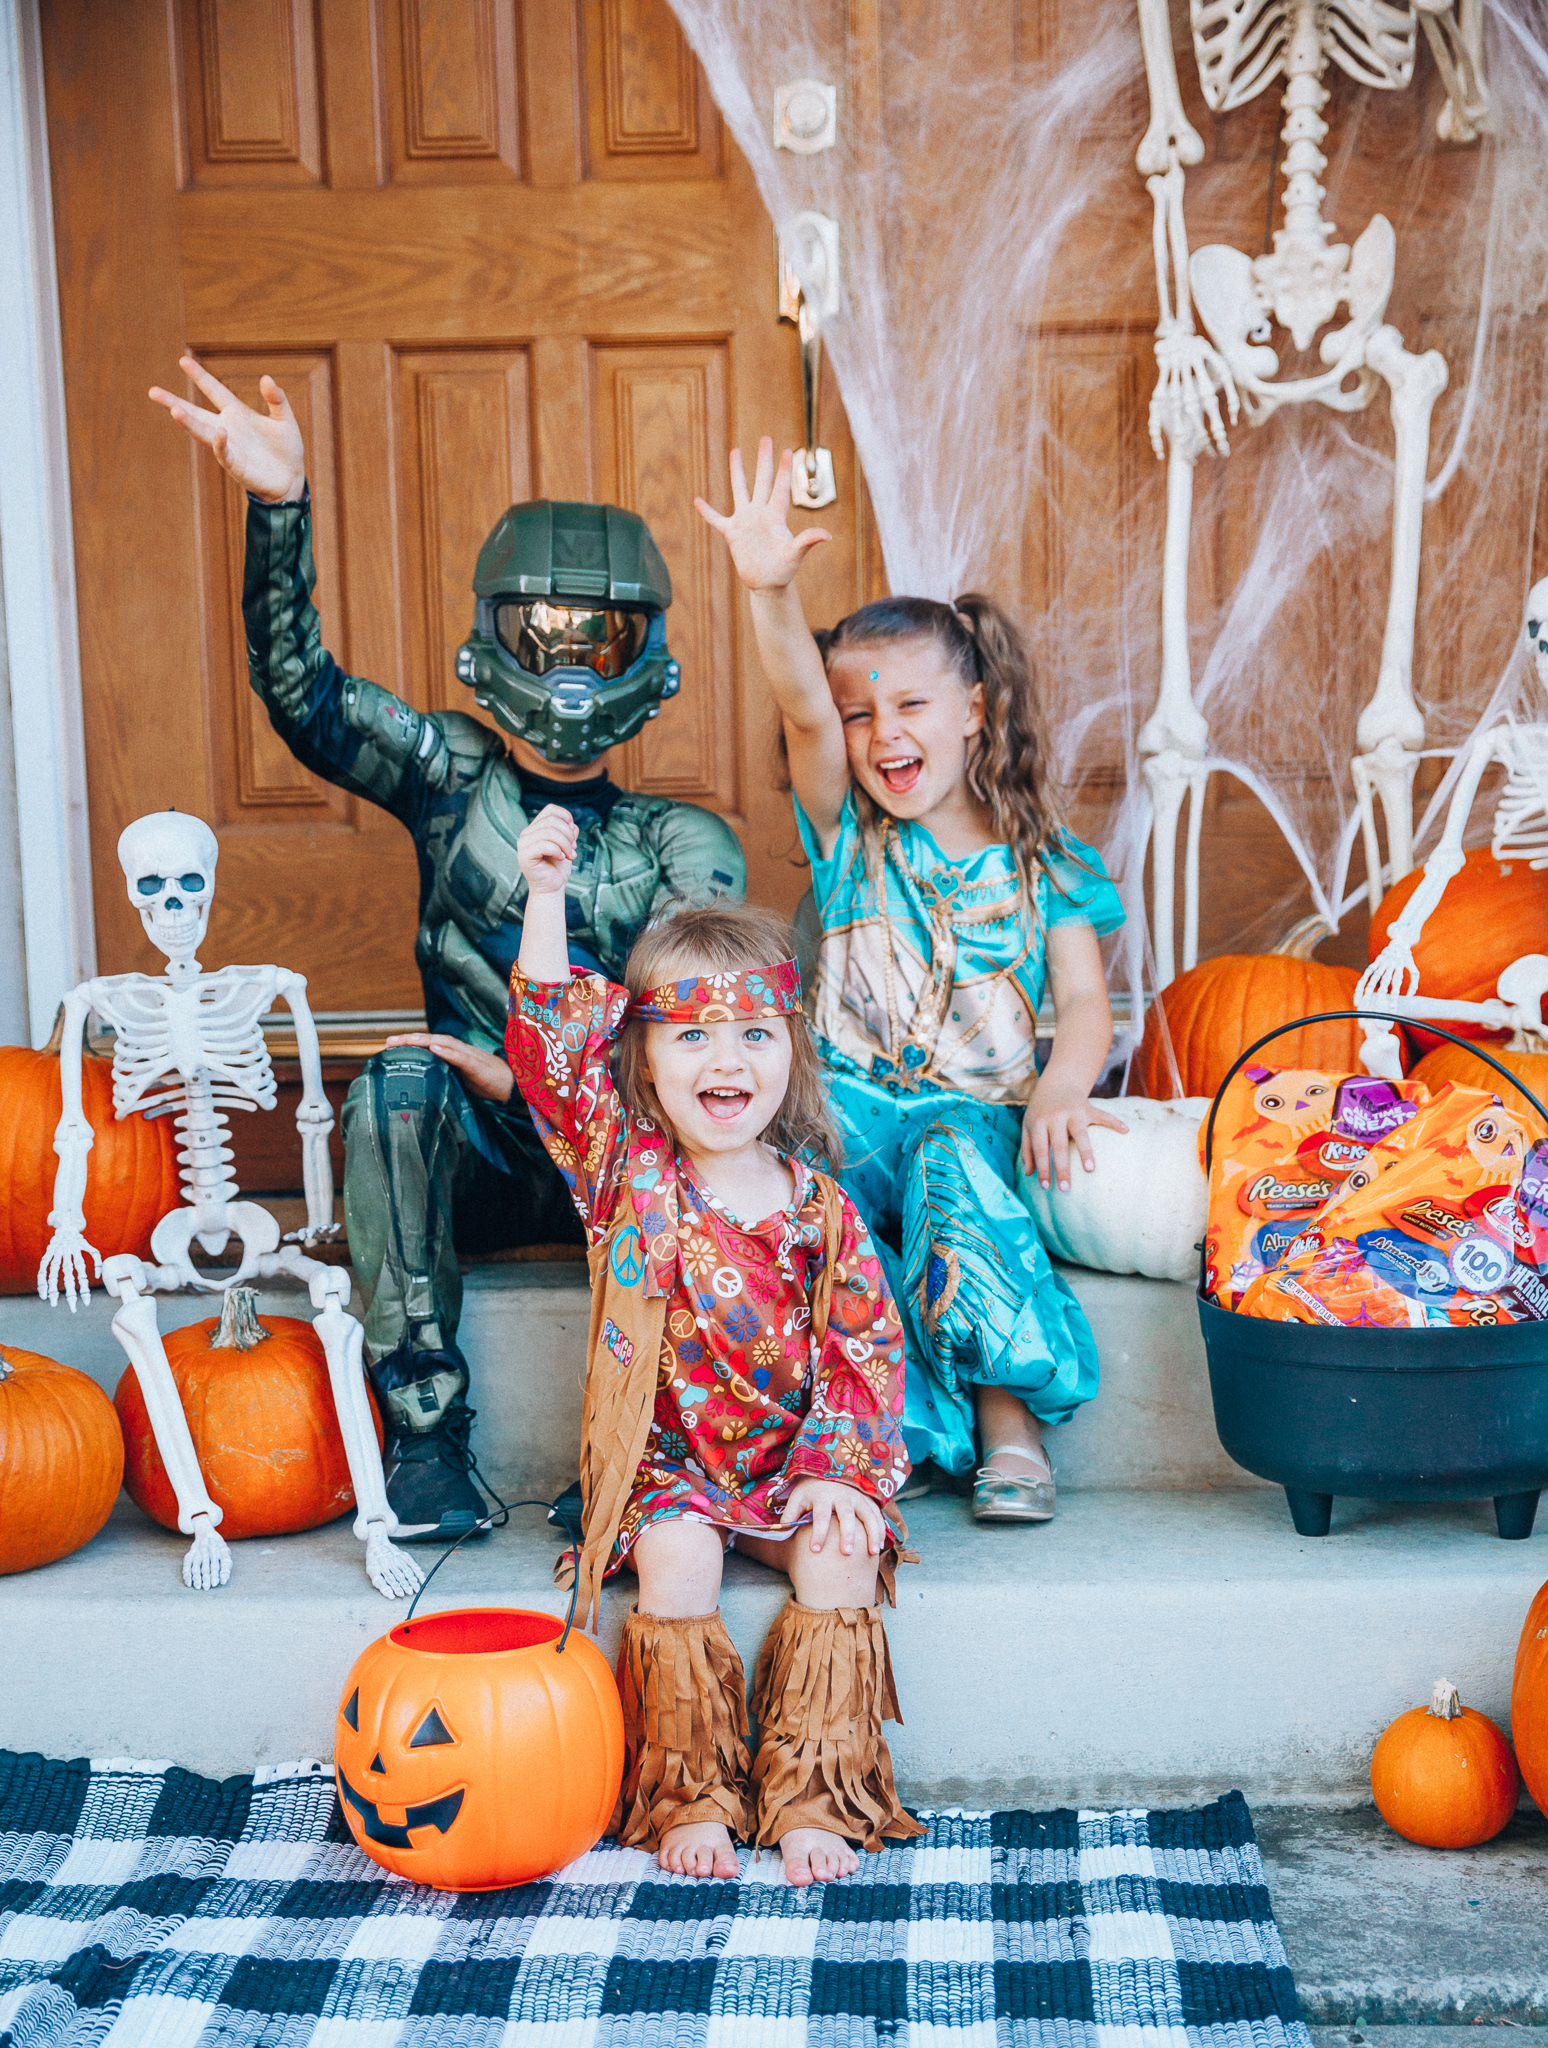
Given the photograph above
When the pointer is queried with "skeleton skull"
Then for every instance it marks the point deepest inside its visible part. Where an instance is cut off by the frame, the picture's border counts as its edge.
(1537, 628)
(168, 861)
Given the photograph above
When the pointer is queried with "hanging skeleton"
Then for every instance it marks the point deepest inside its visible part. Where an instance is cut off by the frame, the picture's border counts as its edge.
(1241, 47)
(1391, 982)
(189, 1045)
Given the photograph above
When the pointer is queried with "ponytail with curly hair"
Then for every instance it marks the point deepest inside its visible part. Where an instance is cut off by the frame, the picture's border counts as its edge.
(1009, 760)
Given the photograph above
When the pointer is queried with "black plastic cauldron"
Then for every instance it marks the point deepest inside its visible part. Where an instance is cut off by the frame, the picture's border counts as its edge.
(1439, 1414)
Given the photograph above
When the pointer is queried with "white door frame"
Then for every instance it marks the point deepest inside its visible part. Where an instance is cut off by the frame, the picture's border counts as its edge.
(37, 548)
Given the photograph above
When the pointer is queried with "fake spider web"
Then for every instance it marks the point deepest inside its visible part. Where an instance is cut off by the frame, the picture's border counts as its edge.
(977, 185)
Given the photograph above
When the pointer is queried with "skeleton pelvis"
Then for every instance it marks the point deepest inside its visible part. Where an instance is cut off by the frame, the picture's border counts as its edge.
(175, 1233)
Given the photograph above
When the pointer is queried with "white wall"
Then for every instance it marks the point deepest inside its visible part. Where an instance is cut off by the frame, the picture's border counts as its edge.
(45, 847)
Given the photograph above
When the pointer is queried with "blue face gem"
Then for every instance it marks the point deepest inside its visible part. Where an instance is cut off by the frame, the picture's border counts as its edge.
(875, 675)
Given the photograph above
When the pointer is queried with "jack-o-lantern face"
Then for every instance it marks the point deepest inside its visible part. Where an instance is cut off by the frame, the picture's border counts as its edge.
(470, 1753)
(437, 1813)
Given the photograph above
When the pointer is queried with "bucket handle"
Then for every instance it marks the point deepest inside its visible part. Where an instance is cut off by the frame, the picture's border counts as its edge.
(1357, 1017)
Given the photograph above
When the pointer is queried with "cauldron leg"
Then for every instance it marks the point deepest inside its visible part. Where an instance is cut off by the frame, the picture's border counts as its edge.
(1312, 1513)
(1514, 1514)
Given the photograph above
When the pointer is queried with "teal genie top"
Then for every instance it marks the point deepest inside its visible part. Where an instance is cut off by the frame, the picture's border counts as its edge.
(930, 971)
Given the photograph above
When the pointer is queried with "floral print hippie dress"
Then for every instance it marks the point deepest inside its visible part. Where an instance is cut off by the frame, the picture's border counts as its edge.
(743, 1409)
(778, 1355)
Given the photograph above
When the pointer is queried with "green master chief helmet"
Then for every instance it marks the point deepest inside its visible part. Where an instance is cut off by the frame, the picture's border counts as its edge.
(568, 647)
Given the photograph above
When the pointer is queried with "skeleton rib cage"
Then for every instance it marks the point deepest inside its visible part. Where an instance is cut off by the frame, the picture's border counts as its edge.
(1241, 47)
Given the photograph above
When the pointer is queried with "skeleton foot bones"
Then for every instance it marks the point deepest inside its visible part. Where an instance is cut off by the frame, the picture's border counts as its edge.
(190, 1045)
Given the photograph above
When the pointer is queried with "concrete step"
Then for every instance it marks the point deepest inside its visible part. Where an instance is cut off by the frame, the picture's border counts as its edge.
(524, 1334)
(1383, 1935)
(1144, 1648)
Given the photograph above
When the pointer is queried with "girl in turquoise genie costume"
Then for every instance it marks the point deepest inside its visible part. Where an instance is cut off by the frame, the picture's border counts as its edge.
(949, 893)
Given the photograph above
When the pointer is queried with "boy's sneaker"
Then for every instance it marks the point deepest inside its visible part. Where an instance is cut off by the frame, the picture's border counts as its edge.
(430, 1484)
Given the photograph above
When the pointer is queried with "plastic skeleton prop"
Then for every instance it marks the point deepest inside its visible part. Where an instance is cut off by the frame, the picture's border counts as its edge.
(1241, 46)
(1391, 982)
(188, 1044)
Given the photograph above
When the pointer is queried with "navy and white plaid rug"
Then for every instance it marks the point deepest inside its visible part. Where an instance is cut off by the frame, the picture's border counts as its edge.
(144, 1907)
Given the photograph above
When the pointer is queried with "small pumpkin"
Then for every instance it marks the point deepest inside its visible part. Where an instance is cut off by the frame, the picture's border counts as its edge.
(1450, 1063)
(1145, 1207)
(1219, 1008)
(131, 1170)
(260, 1412)
(1529, 1699)
(1492, 912)
(1443, 1775)
(471, 1753)
(61, 1459)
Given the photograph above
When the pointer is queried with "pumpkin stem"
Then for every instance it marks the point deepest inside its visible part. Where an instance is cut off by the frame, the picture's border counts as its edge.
(1444, 1702)
(1303, 938)
(239, 1328)
(5, 1369)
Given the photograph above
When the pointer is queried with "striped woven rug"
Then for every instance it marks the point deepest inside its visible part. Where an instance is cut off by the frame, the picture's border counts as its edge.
(142, 1905)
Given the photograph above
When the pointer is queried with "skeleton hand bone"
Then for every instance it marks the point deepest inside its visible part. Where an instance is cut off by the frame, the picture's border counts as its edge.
(1392, 973)
(208, 1562)
(1185, 404)
(391, 1571)
(64, 1265)
(324, 1234)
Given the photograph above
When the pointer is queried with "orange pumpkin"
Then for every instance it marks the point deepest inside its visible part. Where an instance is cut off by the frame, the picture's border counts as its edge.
(131, 1170)
(1529, 1699)
(61, 1460)
(471, 1753)
(260, 1412)
(1217, 1009)
(1443, 1775)
(1451, 1063)
(1491, 913)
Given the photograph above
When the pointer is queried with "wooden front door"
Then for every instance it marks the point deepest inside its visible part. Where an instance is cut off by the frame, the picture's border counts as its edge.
(492, 249)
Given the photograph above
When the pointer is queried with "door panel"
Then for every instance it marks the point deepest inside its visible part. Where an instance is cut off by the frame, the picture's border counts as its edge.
(256, 777)
(491, 250)
(465, 453)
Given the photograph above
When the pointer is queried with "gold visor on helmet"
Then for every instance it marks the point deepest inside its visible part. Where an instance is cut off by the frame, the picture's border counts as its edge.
(543, 636)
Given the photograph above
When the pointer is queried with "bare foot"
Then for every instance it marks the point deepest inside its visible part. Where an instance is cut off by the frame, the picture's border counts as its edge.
(812, 1855)
(702, 1849)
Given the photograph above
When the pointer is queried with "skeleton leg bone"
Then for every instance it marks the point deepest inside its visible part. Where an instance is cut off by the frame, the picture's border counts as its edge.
(1392, 725)
(394, 1574)
(208, 1563)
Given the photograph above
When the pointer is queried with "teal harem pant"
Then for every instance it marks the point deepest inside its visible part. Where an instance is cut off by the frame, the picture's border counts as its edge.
(934, 1173)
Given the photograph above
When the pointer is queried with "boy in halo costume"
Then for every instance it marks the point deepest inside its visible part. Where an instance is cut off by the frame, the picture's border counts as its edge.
(568, 654)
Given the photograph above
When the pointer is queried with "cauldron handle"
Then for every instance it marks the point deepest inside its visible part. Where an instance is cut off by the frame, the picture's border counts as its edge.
(1346, 1017)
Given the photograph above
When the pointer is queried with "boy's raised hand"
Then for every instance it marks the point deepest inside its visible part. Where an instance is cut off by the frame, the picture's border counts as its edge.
(766, 553)
(265, 456)
(545, 851)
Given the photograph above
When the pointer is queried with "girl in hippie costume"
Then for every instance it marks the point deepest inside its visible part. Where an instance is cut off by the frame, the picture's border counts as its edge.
(744, 1378)
(950, 893)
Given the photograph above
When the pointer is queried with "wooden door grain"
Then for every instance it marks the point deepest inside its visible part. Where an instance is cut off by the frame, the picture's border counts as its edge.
(491, 249)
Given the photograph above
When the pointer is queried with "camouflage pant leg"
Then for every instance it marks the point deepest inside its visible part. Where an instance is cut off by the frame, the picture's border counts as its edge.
(419, 1179)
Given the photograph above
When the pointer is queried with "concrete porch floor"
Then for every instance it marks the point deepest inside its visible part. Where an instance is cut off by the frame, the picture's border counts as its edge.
(1166, 1637)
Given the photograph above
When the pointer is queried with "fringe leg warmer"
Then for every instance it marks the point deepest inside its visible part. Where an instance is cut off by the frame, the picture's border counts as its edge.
(823, 1688)
(685, 1729)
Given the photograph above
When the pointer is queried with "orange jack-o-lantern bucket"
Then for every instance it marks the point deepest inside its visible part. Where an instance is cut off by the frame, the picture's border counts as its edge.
(471, 1753)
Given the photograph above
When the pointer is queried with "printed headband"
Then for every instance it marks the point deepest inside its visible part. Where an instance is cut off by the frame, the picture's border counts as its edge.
(724, 997)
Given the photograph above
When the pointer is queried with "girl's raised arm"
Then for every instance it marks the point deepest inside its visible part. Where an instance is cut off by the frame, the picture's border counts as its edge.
(767, 555)
(545, 853)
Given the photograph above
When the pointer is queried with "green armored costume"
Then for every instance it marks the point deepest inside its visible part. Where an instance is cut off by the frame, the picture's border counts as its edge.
(568, 652)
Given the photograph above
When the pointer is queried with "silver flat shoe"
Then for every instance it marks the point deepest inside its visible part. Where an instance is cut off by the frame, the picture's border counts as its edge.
(1003, 1497)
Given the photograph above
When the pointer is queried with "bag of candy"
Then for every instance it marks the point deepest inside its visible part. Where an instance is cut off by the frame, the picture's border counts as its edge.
(1438, 1233)
(1286, 1139)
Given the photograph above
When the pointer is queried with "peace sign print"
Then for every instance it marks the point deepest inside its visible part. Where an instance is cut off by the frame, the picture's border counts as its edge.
(727, 1283)
(628, 1257)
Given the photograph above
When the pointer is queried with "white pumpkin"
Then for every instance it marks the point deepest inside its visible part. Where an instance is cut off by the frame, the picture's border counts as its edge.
(1143, 1210)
